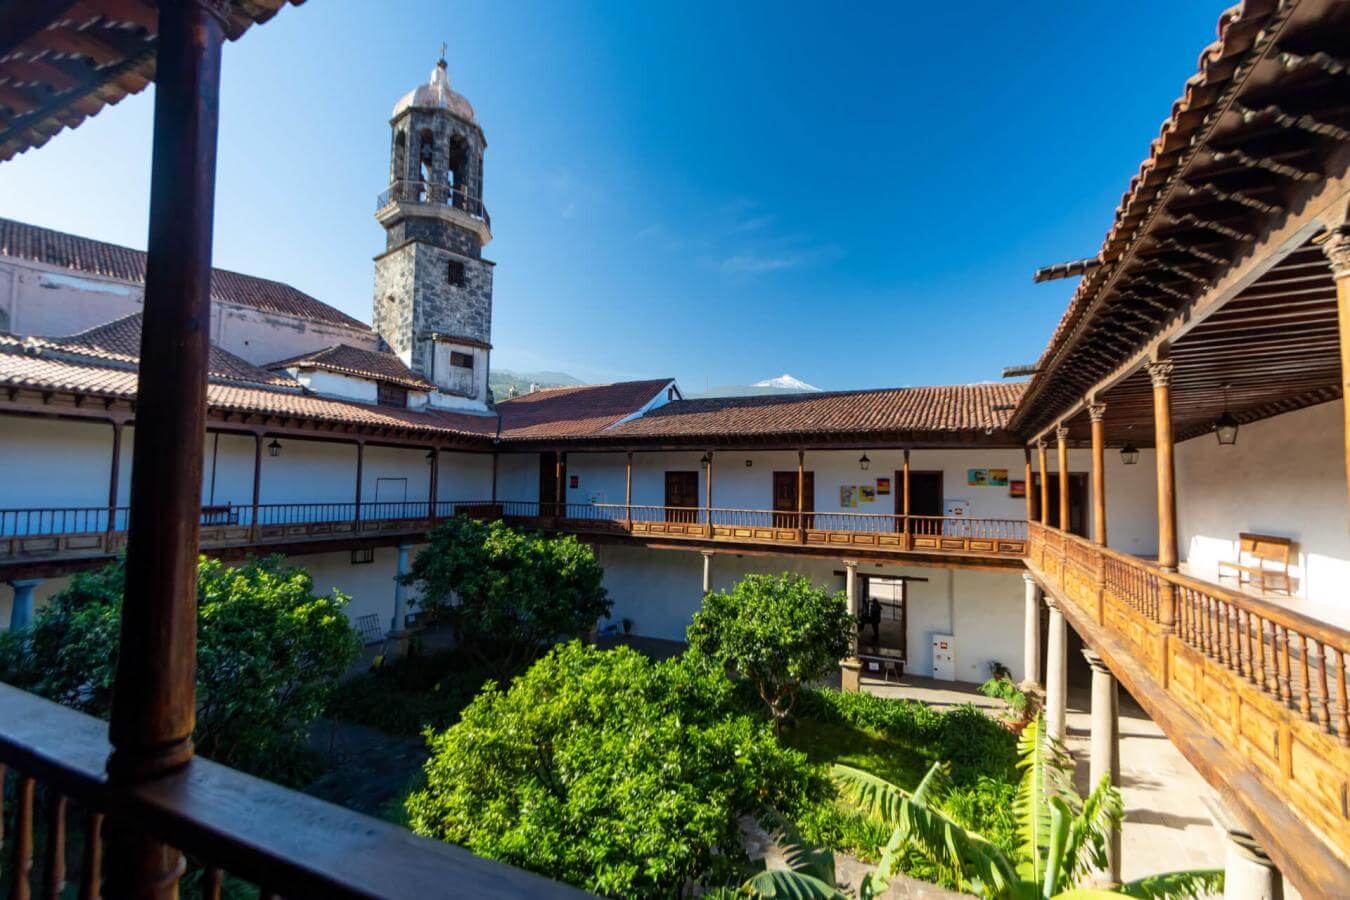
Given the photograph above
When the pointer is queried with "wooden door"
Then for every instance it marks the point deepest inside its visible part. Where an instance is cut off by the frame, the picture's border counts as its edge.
(1078, 494)
(785, 498)
(548, 484)
(681, 496)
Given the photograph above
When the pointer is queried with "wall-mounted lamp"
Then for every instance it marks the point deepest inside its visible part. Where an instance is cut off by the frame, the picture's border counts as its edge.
(1129, 454)
(1226, 427)
(431, 456)
(864, 463)
(274, 448)
(705, 460)
(749, 463)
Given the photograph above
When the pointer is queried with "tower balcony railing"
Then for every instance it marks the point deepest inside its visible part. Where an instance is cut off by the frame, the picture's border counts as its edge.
(431, 194)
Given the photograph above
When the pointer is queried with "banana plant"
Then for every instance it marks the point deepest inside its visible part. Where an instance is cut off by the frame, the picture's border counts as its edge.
(1063, 835)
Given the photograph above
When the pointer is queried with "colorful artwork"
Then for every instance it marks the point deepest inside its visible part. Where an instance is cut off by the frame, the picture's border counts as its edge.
(998, 478)
(848, 496)
(883, 487)
(977, 477)
(1017, 489)
(867, 494)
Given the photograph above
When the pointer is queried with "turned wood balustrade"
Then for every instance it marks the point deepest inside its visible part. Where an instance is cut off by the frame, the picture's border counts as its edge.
(1267, 681)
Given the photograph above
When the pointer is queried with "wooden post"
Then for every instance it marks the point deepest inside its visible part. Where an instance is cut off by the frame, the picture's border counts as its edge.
(904, 501)
(114, 475)
(1062, 457)
(494, 478)
(1045, 483)
(707, 493)
(360, 466)
(154, 695)
(558, 486)
(628, 492)
(1031, 500)
(1161, 374)
(254, 527)
(801, 496)
(1097, 413)
(435, 477)
(1337, 249)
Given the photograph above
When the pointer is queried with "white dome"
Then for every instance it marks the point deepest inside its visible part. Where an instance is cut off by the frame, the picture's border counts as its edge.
(435, 94)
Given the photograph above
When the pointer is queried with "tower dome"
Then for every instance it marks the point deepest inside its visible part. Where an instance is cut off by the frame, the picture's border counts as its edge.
(435, 94)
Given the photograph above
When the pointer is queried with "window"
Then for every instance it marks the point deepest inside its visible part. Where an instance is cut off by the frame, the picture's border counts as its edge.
(454, 273)
(363, 557)
(461, 360)
(391, 395)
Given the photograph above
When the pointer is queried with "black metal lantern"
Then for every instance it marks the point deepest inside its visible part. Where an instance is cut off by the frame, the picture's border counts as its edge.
(749, 463)
(705, 460)
(864, 463)
(1129, 454)
(274, 448)
(1226, 427)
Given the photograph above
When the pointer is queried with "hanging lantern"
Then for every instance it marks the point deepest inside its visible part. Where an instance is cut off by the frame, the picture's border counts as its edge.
(1226, 427)
(274, 448)
(864, 463)
(705, 460)
(1129, 454)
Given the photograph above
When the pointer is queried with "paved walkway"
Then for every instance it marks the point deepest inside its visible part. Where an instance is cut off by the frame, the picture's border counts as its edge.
(1166, 825)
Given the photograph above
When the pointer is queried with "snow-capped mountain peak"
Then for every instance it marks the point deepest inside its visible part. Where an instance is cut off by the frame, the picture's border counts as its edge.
(786, 382)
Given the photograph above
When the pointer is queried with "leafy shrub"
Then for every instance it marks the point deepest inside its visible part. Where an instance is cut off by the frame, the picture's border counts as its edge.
(507, 593)
(777, 631)
(269, 653)
(409, 695)
(601, 768)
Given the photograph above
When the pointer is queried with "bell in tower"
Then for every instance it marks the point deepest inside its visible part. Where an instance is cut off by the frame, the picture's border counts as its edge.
(433, 289)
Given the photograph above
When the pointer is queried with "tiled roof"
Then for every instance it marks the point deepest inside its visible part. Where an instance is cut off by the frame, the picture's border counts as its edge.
(68, 251)
(959, 408)
(42, 373)
(120, 341)
(575, 412)
(347, 360)
(1191, 116)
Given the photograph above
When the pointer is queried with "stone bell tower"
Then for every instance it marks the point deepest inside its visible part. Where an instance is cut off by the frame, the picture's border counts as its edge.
(433, 289)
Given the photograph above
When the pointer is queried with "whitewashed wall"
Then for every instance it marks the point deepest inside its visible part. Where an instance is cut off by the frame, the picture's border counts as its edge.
(464, 476)
(517, 477)
(370, 585)
(660, 590)
(54, 462)
(1285, 476)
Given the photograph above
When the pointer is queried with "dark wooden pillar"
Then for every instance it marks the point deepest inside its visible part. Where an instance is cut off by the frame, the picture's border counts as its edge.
(1097, 413)
(114, 475)
(708, 493)
(628, 491)
(1031, 502)
(1045, 482)
(1161, 374)
(435, 476)
(257, 483)
(904, 501)
(801, 496)
(1062, 457)
(360, 467)
(154, 690)
(559, 489)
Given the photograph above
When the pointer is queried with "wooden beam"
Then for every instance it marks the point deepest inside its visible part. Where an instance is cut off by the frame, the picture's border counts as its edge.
(20, 21)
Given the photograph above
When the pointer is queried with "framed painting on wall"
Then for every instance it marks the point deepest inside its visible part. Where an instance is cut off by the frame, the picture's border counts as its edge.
(867, 494)
(977, 477)
(1017, 489)
(883, 487)
(848, 496)
(998, 478)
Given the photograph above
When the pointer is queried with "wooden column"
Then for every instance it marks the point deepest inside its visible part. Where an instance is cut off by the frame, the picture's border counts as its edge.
(257, 483)
(904, 501)
(1161, 374)
(114, 475)
(801, 496)
(707, 493)
(1337, 249)
(435, 477)
(559, 489)
(1026, 480)
(1045, 483)
(154, 691)
(1097, 413)
(628, 491)
(360, 466)
(494, 477)
(1062, 457)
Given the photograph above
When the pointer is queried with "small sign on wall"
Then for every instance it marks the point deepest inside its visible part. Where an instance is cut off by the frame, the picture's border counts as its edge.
(883, 487)
(574, 481)
(1017, 489)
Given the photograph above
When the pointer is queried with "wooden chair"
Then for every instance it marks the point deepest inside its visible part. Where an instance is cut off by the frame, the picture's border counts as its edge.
(1263, 560)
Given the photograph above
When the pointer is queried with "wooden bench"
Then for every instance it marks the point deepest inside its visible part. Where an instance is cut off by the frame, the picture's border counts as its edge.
(1261, 560)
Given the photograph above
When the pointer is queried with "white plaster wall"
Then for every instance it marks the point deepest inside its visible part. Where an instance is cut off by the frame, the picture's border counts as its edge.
(308, 471)
(334, 384)
(517, 477)
(464, 476)
(264, 337)
(1285, 476)
(370, 585)
(660, 590)
(54, 462)
(391, 464)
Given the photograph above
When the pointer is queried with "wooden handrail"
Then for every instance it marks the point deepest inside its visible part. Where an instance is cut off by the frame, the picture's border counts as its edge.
(287, 842)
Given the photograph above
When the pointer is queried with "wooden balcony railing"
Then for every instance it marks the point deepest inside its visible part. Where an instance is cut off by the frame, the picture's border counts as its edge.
(1268, 681)
(285, 842)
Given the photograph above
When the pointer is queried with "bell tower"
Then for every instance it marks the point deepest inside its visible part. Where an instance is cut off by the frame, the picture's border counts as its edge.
(433, 289)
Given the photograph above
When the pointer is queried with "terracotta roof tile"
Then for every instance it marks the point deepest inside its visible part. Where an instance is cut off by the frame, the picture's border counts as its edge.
(120, 341)
(923, 409)
(68, 251)
(348, 360)
(575, 412)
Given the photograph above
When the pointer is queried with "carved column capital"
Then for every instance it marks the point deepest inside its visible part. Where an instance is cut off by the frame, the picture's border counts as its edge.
(1337, 250)
(1160, 372)
(1097, 412)
(1061, 434)
(1041, 444)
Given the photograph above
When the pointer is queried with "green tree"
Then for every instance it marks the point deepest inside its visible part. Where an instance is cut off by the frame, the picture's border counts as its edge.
(778, 631)
(269, 654)
(508, 593)
(607, 770)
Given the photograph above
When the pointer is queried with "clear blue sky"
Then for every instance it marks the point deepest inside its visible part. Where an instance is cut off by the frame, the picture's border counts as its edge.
(855, 194)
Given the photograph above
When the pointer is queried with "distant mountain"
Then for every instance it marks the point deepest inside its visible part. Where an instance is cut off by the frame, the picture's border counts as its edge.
(503, 380)
(783, 384)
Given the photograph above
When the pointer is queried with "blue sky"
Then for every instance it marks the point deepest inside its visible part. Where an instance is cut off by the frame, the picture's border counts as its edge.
(856, 194)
